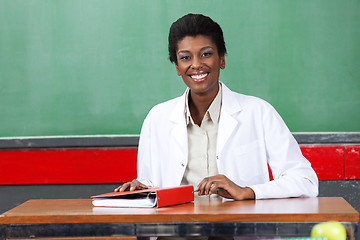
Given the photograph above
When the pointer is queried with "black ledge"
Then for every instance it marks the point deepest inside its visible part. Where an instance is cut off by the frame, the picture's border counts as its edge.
(129, 141)
(86, 141)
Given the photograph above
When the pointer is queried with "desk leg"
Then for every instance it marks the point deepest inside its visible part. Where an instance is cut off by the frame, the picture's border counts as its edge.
(2, 232)
(352, 230)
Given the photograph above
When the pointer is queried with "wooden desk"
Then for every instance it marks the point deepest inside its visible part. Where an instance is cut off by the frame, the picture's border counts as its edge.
(204, 217)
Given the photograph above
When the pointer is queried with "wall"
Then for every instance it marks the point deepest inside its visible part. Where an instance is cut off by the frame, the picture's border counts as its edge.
(87, 67)
(79, 167)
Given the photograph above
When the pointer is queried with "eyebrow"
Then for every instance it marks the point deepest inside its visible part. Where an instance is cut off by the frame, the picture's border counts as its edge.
(202, 49)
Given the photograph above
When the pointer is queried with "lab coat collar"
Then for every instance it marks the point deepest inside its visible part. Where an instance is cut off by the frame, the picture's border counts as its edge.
(230, 105)
(227, 122)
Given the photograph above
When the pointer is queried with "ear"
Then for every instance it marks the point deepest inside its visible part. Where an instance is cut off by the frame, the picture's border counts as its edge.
(222, 62)
(177, 69)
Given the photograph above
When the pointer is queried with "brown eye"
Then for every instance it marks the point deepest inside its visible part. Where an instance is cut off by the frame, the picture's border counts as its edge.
(206, 54)
(184, 57)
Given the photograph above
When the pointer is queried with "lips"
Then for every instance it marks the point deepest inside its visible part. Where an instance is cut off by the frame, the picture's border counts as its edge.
(197, 77)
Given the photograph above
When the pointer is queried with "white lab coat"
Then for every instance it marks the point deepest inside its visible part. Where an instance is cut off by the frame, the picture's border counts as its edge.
(251, 135)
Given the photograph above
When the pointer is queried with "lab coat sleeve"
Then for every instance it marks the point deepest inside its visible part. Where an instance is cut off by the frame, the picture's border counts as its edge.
(144, 169)
(292, 172)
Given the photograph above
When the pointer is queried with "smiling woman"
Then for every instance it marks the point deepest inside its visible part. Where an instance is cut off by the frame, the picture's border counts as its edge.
(200, 137)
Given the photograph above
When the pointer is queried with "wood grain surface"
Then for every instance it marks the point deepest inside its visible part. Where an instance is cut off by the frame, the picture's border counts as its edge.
(201, 210)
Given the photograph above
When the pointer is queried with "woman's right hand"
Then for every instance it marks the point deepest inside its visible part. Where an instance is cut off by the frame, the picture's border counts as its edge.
(131, 186)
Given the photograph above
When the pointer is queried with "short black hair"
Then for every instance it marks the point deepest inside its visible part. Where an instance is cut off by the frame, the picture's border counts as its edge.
(193, 25)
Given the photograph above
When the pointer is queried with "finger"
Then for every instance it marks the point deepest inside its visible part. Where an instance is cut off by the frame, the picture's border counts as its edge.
(199, 188)
(124, 187)
(118, 189)
(226, 190)
(210, 187)
(207, 187)
(143, 186)
(225, 194)
(219, 185)
(202, 189)
(214, 188)
(203, 186)
(135, 184)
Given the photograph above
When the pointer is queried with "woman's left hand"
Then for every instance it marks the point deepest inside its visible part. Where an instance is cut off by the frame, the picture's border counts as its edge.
(224, 187)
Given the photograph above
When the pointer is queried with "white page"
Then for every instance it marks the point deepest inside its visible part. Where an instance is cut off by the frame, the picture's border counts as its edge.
(116, 202)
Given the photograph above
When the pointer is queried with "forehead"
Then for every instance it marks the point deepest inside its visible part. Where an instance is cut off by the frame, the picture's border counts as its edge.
(190, 43)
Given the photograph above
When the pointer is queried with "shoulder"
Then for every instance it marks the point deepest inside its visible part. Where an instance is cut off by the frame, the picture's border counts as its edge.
(164, 110)
(164, 107)
(245, 102)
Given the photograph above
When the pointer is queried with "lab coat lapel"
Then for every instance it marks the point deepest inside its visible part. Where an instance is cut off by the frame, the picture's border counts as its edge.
(227, 122)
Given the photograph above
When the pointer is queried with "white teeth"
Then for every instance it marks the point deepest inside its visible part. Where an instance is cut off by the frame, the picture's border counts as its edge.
(199, 76)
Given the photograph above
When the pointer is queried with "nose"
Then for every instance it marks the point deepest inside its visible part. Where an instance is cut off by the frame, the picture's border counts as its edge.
(196, 63)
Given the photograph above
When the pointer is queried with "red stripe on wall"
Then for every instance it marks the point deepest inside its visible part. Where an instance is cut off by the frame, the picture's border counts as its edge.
(79, 166)
(67, 166)
(352, 162)
(326, 160)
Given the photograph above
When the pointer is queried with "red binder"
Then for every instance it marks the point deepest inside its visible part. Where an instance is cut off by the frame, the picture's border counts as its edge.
(160, 197)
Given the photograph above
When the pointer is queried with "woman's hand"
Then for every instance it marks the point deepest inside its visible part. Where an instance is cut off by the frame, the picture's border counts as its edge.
(131, 186)
(224, 187)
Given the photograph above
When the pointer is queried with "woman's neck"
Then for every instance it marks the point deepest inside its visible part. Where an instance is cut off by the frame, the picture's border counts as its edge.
(199, 104)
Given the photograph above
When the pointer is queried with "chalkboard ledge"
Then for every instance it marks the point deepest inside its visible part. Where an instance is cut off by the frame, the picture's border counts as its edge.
(94, 141)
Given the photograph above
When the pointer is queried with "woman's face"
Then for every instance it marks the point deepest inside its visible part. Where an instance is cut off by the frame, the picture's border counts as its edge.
(199, 64)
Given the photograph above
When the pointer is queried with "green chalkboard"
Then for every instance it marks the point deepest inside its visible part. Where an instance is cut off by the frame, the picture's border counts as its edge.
(83, 67)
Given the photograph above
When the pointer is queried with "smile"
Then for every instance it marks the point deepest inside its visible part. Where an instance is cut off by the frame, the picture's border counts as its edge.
(198, 77)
